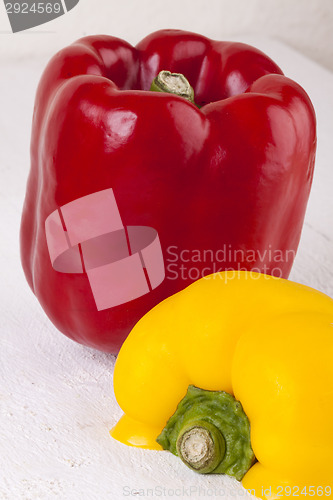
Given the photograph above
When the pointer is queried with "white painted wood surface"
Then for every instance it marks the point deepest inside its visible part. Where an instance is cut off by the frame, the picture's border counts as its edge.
(56, 397)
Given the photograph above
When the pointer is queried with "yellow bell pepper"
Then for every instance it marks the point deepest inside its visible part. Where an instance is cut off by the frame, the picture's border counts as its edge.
(267, 343)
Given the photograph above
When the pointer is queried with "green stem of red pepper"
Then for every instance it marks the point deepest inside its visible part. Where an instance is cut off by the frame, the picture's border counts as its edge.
(173, 83)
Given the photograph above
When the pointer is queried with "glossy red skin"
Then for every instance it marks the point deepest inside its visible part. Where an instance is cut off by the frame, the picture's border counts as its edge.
(236, 172)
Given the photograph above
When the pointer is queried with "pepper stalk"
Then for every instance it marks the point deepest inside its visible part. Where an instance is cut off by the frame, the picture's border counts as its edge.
(210, 433)
(173, 83)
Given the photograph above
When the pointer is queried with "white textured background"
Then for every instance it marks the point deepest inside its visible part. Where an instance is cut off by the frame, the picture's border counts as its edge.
(306, 25)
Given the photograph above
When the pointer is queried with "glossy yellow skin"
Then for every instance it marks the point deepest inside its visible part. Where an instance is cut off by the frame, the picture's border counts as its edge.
(267, 341)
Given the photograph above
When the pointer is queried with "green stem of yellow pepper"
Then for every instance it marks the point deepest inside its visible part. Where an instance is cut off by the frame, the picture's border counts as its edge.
(173, 83)
(201, 446)
(210, 433)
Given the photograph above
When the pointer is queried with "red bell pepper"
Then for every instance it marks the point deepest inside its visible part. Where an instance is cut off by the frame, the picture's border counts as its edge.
(121, 175)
